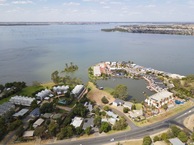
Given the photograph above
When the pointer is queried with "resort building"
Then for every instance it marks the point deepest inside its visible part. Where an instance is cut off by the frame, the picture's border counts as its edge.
(60, 89)
(44, 93)
(159, 99)
(6, 107)
(77, 90)
(97, 71)
(77, 121)
(21, 100)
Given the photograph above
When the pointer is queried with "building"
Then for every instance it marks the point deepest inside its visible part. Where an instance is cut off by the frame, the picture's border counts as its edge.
(21, 113)
(44, 93)
(97, 71)
(38, 122)
(77, 90)
(118, 102)
(6, 107)
(112, 114)
(89, 106)
(88, 122)
(35, 112)
(28, 134)
(135, 113)
(176, 141)
(21, 100)
(77, 121)
(60, 89)
(128, 105)
(159, 99)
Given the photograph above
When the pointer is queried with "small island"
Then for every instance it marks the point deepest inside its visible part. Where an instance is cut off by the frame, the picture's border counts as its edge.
(172, 29)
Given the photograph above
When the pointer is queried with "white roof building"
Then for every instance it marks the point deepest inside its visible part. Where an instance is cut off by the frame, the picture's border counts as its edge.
(21, 100)
(44, 93)
(61, 89)
(38, 122)
(159, 98)
(111, 114)
(21, 112)
(77, 121)
(176, 141)
(77, 90)
(97, 71)
(29, 133)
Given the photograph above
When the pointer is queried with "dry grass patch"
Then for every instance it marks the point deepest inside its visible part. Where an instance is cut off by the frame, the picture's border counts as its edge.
(96, 94)
(189, 122)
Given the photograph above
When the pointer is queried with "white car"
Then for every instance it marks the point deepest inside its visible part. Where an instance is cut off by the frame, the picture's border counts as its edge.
(112, 139)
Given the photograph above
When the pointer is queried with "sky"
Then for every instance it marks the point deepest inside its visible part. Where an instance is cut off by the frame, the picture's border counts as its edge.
(97, 10)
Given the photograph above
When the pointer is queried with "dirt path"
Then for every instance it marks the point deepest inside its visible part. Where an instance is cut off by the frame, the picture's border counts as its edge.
(96, 94)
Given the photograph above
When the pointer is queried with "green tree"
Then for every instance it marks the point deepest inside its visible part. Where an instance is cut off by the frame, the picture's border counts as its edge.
(156, 138)
(78, 130)
(46, 108)
(97, 121)
(52, 128)
(175, 130)
(147, 140)
(104, 100)
(3, 127)
(106, 108)
(105, 127)
(182, 136)
(88, 130)
(133, 107)
(55, 77)
(192, 136)
(120, 125)
(164, 136)
(12, 126)
(80, 110)
(34, 104)
(125, 109)
(121, 92)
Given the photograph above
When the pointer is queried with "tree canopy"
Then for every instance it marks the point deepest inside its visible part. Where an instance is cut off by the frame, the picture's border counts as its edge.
(120, 92)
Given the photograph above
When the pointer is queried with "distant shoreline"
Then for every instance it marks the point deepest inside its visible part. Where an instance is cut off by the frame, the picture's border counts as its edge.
(171, 29)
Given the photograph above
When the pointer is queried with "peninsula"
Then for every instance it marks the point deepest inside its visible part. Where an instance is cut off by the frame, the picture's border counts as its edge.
(172, 29)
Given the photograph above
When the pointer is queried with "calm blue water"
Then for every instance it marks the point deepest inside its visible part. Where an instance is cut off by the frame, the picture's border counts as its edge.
(32, 53)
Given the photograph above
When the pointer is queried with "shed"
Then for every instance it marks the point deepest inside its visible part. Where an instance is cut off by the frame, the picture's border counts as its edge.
(38, 122)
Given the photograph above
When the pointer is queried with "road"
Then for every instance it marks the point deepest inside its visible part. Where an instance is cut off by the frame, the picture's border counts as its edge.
(135, 133)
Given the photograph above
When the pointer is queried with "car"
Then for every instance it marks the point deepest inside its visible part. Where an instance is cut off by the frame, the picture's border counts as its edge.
(112, 139)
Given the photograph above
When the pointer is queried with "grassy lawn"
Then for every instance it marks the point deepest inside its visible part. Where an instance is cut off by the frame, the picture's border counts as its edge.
(166, 115)
(138, 106)
(116, 131)
(135, 142)
(29, 90)
(109, 90)
(5, 100)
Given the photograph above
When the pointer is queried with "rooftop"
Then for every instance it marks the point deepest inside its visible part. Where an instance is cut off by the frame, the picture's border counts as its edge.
(111, 114)
(77, 121)
(38, 122)
(77, 89)
(176, 141)
(28, 133)
(21, 112)
(161, 95)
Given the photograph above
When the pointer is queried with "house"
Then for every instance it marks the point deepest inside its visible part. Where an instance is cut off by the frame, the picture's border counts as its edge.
(110, 120)
(21, 113)
(118, 102)
(135, 113)
(88, 122)
(6, 107)
(112, 114)
(35, 112)
(89, 106)
(97, 71)
(176, 141)
(28, 134)
(56, 116)
(38, 122)
(77, 121)
(43, 94)
(128, 105)
(159, 99)
(21, 100)
(60, 89)
(78, 90)
(47, 115)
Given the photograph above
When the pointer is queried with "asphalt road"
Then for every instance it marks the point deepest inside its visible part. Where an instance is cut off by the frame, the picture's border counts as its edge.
(133, 134)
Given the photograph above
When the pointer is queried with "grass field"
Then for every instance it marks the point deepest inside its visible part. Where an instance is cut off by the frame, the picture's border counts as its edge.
(29, 90)
(4, 100)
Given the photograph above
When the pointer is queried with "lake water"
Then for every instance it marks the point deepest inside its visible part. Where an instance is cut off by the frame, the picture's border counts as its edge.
(32, 53)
